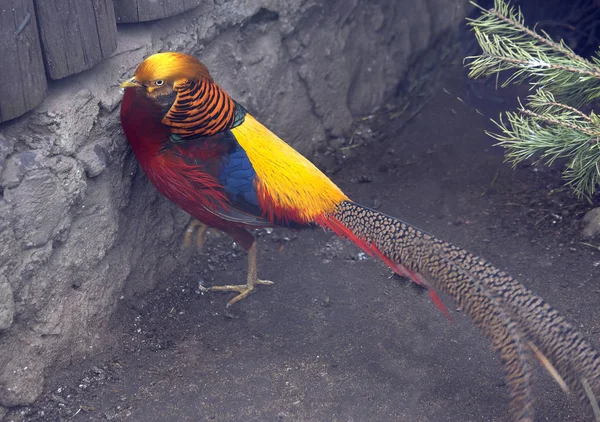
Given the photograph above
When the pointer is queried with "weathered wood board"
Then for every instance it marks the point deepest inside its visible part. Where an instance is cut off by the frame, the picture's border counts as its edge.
(22, 69)
(75, 34)
(147, 10)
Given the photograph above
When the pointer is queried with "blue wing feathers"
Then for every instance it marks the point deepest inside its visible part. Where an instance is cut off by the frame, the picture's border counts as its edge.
(237, 177)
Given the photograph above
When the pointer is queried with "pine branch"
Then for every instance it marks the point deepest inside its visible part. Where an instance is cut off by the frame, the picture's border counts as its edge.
(550, 126)
(508, 44)
(547, 130)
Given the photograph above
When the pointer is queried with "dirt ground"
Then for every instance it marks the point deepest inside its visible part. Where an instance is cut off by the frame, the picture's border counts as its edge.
(337, 338)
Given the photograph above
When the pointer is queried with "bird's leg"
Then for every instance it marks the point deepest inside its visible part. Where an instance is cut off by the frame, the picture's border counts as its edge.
(187, 240)
(249, 243)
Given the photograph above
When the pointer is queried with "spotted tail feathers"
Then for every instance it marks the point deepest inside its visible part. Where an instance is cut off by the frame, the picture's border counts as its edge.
(519, 324)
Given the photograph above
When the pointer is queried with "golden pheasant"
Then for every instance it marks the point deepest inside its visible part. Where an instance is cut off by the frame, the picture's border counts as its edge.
(206, 153)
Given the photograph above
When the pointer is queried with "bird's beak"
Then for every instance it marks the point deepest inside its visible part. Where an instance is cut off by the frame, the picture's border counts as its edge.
(131, 83)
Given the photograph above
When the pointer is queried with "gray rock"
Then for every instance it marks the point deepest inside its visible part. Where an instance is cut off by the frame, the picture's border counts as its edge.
(80, 225)
(21, 380)
(7, 304)
(9, 249)
(69, 117)
(6, 148)
(17, 166)
(39, 206)
(95, 156)
(591, 223)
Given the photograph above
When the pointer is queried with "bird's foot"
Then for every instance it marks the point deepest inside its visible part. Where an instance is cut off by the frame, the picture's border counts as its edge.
(189, 231)
(244, 290)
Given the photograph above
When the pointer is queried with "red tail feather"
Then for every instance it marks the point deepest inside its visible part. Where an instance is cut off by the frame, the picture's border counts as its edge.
(338, 228)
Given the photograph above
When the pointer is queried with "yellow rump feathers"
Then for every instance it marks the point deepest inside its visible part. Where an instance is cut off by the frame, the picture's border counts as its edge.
(172, 67)
(290, 180)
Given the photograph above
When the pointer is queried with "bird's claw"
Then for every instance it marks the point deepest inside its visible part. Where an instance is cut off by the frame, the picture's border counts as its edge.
(244, 290)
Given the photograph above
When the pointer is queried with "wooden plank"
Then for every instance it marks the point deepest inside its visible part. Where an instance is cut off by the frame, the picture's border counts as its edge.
(22, 69)
(75, 34)
(107, 24)
(148, 10)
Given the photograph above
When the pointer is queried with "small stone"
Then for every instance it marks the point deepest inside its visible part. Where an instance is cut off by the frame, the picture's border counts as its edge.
(57, 399)
(98, 371)
(110, 415)
(26, 411)
(591, 221)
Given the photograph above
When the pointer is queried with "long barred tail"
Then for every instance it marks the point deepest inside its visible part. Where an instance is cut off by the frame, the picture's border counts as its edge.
(518, 323)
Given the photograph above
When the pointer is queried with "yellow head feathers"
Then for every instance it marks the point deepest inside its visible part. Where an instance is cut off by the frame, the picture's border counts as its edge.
(170, 67)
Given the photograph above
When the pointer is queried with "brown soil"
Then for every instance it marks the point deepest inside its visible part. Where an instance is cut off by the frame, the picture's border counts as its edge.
(337, 338)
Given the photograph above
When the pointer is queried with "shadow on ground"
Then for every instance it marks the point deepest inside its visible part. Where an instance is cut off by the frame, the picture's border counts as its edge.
(337, 338)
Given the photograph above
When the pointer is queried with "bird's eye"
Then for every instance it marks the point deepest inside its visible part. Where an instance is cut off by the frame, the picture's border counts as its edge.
(159, 82)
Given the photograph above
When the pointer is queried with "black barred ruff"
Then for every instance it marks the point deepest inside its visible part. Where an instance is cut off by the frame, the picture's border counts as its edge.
(201, 108)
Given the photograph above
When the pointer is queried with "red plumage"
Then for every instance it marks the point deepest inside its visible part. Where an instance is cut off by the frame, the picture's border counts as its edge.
(181, 181)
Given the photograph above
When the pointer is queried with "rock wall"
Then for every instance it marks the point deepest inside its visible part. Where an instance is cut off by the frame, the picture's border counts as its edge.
(81, 228)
